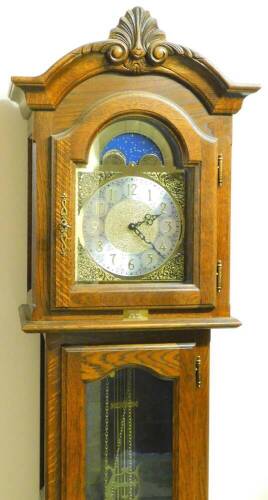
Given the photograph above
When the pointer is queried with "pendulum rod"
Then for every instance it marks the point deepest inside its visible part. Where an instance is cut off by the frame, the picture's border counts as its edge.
(121, 480)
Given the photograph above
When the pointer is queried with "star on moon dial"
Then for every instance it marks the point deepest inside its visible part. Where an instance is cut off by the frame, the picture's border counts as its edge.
(131, 226)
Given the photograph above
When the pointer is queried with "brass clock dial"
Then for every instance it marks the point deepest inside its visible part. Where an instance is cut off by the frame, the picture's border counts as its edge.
(131, 226)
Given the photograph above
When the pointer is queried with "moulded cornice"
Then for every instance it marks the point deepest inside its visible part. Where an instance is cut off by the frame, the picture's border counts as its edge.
(136, 46)
(50, 325)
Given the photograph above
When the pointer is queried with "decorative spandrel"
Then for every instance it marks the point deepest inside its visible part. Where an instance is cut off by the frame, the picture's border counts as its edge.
(129, 437)
(131, 205)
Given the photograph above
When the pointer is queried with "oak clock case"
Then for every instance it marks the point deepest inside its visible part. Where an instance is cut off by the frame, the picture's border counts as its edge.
(128, 260)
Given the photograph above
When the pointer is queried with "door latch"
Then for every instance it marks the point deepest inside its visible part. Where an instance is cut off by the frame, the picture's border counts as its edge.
(198, 377)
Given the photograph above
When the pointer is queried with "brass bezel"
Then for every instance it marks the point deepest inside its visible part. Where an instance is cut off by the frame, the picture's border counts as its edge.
(172, 270)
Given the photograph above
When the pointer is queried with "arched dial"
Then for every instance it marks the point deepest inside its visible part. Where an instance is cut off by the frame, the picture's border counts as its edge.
(131, 226)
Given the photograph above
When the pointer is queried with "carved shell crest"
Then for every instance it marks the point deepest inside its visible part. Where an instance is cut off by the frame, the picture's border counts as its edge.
(137, 41)
(136, 34)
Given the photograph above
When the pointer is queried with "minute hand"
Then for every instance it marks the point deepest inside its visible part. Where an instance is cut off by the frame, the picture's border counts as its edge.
(143, 238)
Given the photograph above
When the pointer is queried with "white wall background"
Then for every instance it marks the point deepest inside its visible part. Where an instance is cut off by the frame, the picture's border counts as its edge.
(233, 35)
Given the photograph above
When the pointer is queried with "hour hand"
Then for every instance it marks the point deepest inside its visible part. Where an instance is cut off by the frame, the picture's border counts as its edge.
(148, 219)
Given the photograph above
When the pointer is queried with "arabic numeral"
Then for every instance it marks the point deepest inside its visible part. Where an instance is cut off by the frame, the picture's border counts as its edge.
(169, 225)
(100, 246)
(131, 265)
(163, 207)
(150, 258)
(100, 209)
(131, 189)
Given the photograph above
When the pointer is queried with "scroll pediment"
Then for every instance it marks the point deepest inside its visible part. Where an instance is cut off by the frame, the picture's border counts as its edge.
(135, 46)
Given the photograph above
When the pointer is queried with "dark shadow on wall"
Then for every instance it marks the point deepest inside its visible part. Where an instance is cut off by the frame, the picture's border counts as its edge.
(13, 202)
(20, 366)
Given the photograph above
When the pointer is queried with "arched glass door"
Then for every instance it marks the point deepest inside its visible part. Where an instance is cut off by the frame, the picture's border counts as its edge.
(132, 220)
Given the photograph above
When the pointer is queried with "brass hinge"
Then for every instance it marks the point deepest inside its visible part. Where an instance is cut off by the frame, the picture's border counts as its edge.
(219, 276)
(198, 378)
(220, 170)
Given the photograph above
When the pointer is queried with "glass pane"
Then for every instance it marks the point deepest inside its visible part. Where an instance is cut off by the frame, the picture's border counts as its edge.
(129, 437)
(134, 206)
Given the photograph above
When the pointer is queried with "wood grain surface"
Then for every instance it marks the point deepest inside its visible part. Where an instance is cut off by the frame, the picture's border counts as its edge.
(82, 365)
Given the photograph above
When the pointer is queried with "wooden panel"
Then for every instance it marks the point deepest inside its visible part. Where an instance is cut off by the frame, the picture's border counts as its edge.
(98, 362)
(52, 419)
(73, 430)
(184, 438)
(41, 209)
(138, 102)
(83, 97)
(63, 198)
(201, 425)
(208, 224)
(223, 129)
(31, 167)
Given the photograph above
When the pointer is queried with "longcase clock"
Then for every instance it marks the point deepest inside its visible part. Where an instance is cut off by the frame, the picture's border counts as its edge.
(128, 269)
